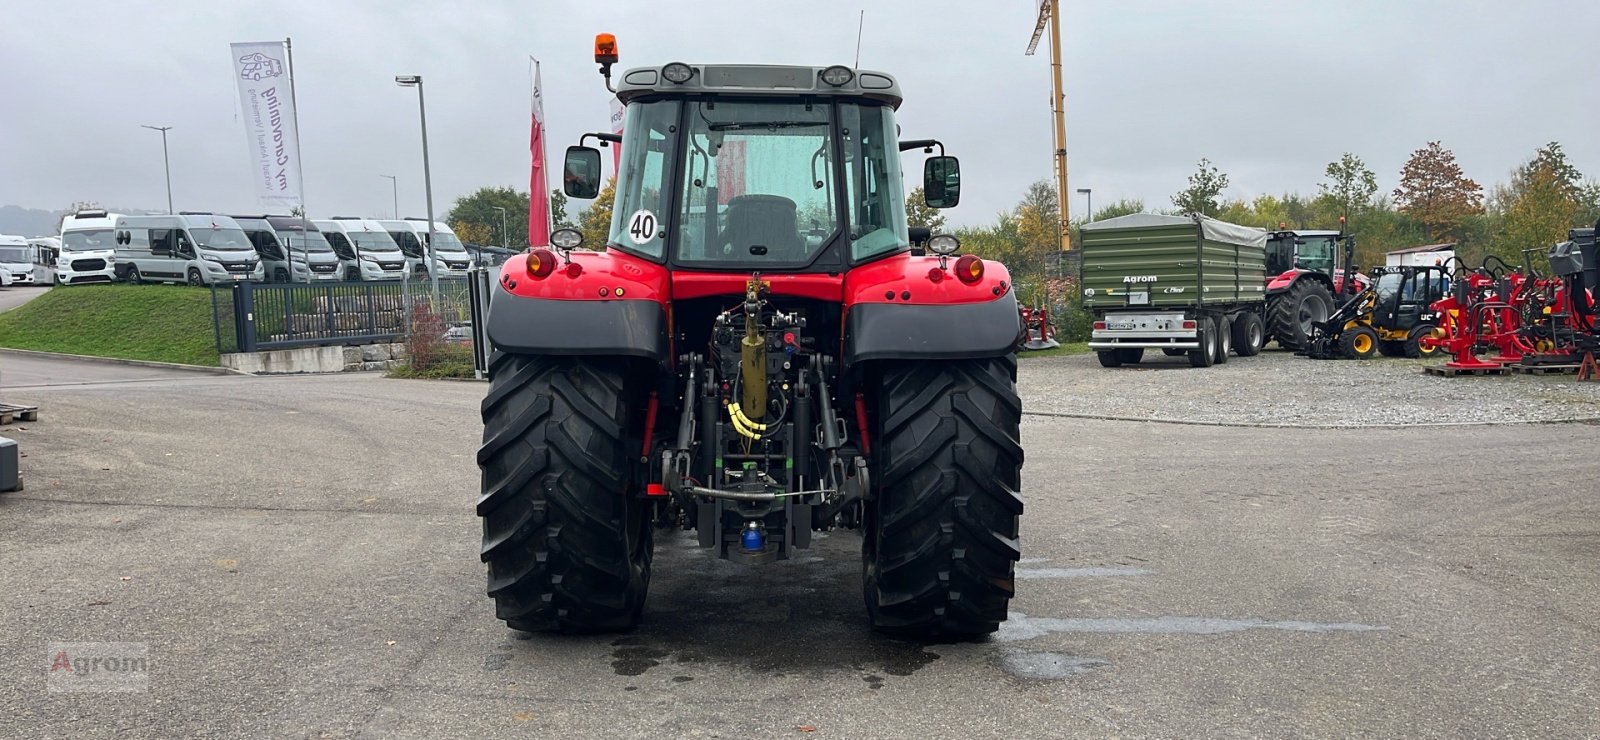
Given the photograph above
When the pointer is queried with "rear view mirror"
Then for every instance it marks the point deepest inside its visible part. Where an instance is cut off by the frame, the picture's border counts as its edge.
(580, 174)
(941, 182)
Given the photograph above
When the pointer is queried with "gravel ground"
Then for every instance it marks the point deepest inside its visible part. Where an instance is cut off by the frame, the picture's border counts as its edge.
(1278, 388)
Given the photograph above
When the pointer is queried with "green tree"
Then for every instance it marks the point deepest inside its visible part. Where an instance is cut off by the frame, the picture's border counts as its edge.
(1544, 200)
(476, 218)
(595, 221)
(1350, 184)
(1205, 185)
(918, 213)
(558, 211)
(1434, 191)
(1124, 207)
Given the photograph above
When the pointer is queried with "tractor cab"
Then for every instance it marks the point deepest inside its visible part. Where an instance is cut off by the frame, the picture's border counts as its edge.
(756, 167)
(1390, 317)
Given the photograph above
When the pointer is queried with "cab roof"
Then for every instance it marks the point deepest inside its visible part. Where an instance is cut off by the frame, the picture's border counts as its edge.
(757, 79)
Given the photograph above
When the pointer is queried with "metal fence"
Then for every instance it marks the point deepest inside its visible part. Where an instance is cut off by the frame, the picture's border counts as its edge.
(253, 317)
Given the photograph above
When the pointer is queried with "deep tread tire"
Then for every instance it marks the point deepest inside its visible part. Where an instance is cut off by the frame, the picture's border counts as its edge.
(1109, 358)
(567, 545)
(1413, 348)
(1224, 334)
(1283, 312)
(1360, 343)
(1130, 355)
(1249, 335)
(941, 532)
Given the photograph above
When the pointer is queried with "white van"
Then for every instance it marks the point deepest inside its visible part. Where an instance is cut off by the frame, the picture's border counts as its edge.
(193, 248)
(16, 259)
(450, 257)
(365, 249)
(88, 251)
(284, 252)
(307, 244)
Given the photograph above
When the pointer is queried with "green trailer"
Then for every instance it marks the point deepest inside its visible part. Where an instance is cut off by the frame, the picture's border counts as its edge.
(1187, 285)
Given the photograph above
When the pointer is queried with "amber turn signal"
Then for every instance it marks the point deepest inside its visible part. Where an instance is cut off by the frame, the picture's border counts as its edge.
(541, 262)
(605, 48)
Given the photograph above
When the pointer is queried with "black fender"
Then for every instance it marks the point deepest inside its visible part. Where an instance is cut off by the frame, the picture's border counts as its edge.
(909, 331)
(628, 328)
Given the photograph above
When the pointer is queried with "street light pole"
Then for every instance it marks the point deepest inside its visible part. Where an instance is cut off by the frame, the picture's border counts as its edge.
(165, 162)
(395, 184)
(1088, 194)
(505, 241)
(427, 180)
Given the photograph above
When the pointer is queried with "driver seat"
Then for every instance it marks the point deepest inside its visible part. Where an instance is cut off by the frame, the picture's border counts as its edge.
(767, 220)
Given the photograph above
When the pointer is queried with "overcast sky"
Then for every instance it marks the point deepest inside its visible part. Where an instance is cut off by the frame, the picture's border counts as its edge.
(1269, 90)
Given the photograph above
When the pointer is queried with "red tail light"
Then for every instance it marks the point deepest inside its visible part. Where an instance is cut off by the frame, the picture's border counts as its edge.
(1099, 326)
(969, 269)
(541, 262)
(1189, 325)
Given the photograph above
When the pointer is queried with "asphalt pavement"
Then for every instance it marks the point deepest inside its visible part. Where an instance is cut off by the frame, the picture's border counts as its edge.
(12, 296)
(300, 556)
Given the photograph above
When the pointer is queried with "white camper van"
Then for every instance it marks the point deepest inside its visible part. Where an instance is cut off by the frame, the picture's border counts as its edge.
(88, 251)
(307, 243)
(365, 249)
(450, 257)
(193, 248)
(16, 259)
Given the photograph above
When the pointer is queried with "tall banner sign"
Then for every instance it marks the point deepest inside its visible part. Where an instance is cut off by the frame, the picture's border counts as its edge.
(266, 100)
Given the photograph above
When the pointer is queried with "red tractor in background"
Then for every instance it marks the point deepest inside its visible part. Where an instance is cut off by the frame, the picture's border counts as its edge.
(756, 355)
(1305, 282)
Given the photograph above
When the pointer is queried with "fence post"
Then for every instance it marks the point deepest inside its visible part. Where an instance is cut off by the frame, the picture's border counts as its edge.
(216, 318)
(372, 310)
(244, 315)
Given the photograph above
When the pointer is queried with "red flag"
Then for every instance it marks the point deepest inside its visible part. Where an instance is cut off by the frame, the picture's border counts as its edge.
(538, 190)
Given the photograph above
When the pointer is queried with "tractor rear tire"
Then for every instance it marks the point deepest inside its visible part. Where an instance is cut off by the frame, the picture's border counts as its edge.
(941, 530)
(1290, 315)
(567, 544)
(1224, 335)
(1249, 336)
(1130, 355)
(1360, 343)
(1109, 358)
(1205, 356)
(1413, 345)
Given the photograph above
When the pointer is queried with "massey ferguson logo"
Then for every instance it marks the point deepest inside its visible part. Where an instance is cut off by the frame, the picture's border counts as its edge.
(1139, 279)
(259, 66)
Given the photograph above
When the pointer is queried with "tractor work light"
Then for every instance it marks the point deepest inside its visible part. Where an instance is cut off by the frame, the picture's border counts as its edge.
(944, 244)
(838, 75)
(969, 269)
(566, 238)
(677, 72)
(541, 262)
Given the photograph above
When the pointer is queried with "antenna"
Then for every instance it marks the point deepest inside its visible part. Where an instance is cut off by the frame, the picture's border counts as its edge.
(861, 25)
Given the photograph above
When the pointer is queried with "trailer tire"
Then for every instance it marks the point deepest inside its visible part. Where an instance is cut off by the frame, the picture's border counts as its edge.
(1248, 335)
(568, 546)
(1204, 356)
(1291, 313)
(941, 530)
(1224, 335)
(1170, 352)
(1413, 348)
(1109, 358)
(1130, 355)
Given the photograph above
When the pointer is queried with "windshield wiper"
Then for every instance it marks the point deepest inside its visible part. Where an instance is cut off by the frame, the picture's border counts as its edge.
(742, 125)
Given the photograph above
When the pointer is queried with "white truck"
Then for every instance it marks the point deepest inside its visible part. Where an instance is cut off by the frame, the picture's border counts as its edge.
(88, 250)
(16, 260)
(450, 258)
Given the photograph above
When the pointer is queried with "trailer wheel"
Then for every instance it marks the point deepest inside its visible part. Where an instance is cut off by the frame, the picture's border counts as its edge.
(1130, 355)
(1109, 358)
(1224, 335)
(567, 544)
(941, 530)
(1205, 355)
(1360, 343)
(1170, 352)
(1292, 313)
(1248, 335)
(1413, 347)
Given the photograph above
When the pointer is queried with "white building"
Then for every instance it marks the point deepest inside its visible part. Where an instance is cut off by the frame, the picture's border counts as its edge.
(1429, 254)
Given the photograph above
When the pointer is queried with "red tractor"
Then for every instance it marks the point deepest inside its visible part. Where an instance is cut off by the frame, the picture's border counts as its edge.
(1305, 283)
(755, 356)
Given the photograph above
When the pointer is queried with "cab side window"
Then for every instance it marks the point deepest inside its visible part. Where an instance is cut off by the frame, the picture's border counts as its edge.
(161, 242)
(341, 245)
(184, 248)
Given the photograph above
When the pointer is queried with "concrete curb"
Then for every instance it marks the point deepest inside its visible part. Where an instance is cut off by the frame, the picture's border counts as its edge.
(1266, 425)
(121, 361)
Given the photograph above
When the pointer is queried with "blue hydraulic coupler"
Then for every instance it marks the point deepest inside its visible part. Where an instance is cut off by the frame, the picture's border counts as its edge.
(753, 540)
